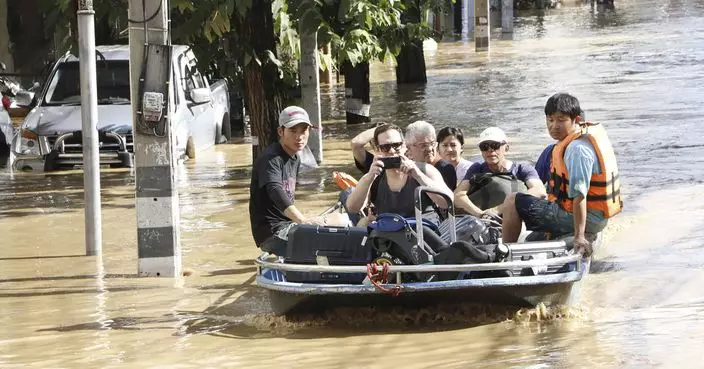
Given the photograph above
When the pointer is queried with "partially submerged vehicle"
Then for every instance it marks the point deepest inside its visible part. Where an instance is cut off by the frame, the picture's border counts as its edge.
(50, 137)
(329, 267)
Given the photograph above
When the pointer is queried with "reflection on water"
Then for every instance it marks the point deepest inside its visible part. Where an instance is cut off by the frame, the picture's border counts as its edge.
(639, 69)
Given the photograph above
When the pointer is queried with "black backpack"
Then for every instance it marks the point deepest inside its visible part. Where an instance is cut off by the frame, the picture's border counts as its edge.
(463, 252)
(490, 189)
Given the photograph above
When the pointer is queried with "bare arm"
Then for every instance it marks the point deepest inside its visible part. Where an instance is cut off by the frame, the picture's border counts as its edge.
(463, 202)
(432, 178)
(359, 142)
(294, 214)
(536, 188)
(359, 197)
(579, 212)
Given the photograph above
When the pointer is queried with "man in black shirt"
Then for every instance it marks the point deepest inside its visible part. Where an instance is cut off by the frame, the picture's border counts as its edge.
(271, 210)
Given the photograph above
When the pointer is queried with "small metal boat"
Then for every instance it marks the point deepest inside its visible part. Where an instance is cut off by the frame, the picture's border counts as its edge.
(531, 273)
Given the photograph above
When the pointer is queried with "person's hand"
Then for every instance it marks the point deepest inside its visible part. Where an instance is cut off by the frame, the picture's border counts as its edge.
(377, 166)
(409, 166)
(315, 221)
(490, 213)
(369, 210)
(580, 244)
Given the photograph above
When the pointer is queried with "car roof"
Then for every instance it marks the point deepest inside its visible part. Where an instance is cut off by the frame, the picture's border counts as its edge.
(120, 52)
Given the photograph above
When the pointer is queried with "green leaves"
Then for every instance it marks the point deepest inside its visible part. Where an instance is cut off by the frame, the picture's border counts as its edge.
(352, 27)
(356, 30)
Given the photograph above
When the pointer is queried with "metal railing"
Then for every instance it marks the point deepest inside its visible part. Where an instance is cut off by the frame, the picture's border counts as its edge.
(509, 265)
(119, 143)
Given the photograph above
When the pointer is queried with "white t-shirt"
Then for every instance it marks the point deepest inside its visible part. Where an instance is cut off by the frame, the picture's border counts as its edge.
(461, 169)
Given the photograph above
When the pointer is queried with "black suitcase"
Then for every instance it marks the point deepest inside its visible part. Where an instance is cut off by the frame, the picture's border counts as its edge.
(312, 244)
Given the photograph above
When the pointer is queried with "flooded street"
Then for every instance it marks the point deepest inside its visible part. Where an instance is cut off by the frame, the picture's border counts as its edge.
(638, 69)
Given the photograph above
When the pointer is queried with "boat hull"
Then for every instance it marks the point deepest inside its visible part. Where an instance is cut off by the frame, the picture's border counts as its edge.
(553, 289)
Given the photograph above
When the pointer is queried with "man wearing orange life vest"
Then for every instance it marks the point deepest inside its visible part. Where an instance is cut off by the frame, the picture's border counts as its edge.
(583, 189)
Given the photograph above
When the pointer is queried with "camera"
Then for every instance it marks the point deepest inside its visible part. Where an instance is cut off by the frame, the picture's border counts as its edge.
(391, 162)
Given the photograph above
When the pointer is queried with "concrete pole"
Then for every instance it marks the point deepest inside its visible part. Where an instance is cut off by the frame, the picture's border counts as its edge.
(158, 241)
(482, 27)
(310, 90)
(465, 20)
(470, 16)
(89, 118)
(507, 16)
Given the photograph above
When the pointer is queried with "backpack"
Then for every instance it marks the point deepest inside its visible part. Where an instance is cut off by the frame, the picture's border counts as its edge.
(490, 189)
(394, 239)
(463, 252)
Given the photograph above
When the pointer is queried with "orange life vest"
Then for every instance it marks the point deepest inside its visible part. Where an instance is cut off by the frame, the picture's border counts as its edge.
(604, 189)
(344, 180)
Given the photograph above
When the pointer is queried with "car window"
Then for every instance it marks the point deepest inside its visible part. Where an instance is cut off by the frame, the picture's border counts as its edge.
(196, 77)
(113, 83)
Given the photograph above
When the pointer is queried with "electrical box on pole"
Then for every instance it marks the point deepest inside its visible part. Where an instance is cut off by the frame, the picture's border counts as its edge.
(482, 26)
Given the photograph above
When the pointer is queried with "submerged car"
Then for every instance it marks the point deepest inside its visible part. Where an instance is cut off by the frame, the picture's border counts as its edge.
(50, 136)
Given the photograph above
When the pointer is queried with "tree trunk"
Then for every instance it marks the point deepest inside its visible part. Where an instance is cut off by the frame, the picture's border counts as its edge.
(27, 33)
(5, 53)
(357, 101)
(457, 13)
(263, 97)
(410, 64)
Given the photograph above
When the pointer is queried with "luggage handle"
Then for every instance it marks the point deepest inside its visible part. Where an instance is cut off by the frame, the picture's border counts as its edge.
(330, 229)
(329, 253)
(419, 213)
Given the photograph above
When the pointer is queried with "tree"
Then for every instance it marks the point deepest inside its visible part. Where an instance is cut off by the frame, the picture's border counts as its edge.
(410, 67)
(356, 31)
(410, 63)
(41, 30)
(25, 24)
(241, 37)
(5, 54)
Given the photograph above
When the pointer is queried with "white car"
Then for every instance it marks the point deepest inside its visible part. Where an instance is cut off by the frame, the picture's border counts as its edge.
(50, 136)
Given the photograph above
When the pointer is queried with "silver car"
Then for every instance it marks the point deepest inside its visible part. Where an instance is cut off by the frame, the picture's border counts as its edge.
(50, 136)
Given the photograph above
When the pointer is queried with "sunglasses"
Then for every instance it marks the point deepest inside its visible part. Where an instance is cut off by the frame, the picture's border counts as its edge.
(388, 146)
(485, 146)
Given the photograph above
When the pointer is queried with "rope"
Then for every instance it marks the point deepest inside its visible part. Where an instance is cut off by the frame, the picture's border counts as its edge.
(379, 277)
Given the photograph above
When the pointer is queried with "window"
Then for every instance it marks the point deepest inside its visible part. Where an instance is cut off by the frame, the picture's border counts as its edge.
(113, 83)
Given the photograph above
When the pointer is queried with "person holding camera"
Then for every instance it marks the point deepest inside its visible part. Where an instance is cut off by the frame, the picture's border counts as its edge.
(393, 178)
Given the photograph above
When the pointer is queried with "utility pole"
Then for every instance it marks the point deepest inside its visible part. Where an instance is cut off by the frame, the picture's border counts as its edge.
(158, 240)
(507, 16)
(482, 27)
(465, 20)
(85, 16)
(310, 90)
